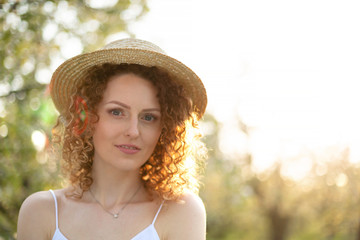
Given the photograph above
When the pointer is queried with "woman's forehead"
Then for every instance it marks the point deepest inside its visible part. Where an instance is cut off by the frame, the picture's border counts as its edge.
(131, 89)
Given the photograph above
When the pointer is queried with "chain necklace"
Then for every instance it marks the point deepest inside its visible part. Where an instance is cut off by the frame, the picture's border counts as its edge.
(115, 215)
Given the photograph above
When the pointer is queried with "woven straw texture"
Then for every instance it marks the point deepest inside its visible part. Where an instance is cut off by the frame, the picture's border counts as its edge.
(132, 51)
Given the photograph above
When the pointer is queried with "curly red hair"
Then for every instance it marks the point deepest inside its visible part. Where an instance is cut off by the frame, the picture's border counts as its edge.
(178, 156)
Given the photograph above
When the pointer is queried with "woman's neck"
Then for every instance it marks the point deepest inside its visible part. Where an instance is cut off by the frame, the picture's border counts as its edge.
(112, 186)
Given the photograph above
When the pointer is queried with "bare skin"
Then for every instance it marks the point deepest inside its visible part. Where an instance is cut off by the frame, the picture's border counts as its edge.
(129, 115)
(85, 219)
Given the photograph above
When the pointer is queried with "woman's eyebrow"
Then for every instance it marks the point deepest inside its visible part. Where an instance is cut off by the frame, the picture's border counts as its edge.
(119, 103)
(151, 110)
(128, 107)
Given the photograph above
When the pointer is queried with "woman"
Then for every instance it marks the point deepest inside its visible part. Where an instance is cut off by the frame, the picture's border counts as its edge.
(129, 148)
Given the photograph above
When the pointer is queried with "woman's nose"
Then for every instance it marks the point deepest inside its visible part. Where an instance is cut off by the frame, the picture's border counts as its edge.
(132, 128)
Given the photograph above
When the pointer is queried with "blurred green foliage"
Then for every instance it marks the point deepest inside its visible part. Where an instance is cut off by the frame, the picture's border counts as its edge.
(241, 203)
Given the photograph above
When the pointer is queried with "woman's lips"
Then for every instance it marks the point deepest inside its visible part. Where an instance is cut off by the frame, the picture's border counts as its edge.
(128, 148)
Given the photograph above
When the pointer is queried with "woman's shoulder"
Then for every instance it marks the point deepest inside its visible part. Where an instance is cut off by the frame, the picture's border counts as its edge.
(40, 202)
(186, 217)
(37, 203)
(37, 216)
(187, 203)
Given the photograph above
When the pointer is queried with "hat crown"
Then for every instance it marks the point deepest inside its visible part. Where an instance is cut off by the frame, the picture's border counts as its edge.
(132, 43)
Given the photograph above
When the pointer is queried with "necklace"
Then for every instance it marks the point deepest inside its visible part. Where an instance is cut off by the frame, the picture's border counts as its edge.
(115, 215)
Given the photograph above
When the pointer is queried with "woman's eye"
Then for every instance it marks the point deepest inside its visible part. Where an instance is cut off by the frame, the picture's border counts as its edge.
(116, 112)
(149, 118)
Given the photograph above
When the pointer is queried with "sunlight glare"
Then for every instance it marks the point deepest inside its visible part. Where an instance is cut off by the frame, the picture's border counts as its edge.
(101, 4)
(234, 142)
(341, 180)
(355, 151)
(66, 15)
(49, 31)
(39, 140)
(28, 66)
(296, 169)
(69, 46)
(43, 74)
(2, 109)
(3, 130)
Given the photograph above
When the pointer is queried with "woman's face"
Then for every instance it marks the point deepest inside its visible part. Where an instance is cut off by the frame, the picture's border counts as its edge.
(129, 123)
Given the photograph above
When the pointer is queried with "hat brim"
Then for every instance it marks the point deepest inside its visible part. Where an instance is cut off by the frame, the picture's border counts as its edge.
(67, 76)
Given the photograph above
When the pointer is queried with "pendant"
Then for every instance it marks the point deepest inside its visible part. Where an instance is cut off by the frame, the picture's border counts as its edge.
(115, 215)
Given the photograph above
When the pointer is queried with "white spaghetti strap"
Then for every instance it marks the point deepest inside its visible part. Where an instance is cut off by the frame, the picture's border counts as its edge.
(157, 213)
(56, 208)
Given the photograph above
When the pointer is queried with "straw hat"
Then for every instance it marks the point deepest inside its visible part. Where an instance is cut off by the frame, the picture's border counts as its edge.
(132, 51)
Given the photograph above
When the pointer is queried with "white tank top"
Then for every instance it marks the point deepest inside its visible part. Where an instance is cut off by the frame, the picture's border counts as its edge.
(148, 233)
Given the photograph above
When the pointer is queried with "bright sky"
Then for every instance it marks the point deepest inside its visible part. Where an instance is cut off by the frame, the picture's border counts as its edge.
(289, 69)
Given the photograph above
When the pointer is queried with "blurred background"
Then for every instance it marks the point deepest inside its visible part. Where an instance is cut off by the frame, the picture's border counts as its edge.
(282, 123)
